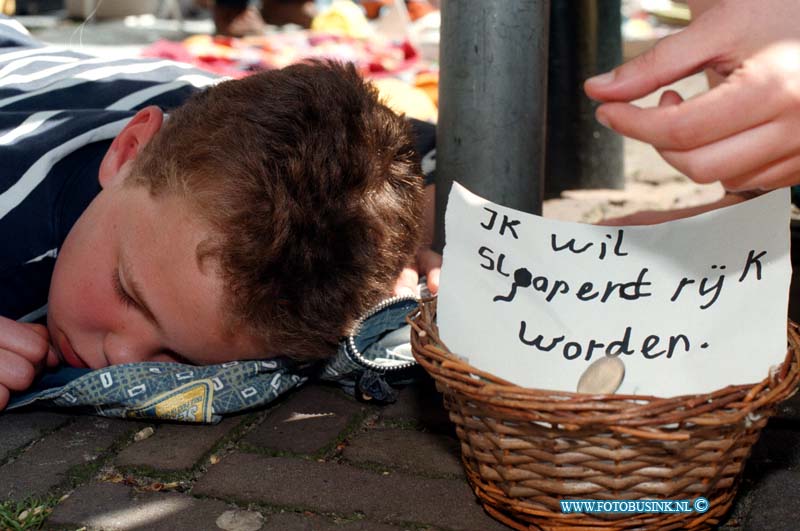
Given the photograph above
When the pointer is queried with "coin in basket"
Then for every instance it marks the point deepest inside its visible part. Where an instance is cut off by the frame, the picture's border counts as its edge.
(602, 377)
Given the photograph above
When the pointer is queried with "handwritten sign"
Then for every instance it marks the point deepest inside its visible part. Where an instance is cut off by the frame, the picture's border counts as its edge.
(690, 306)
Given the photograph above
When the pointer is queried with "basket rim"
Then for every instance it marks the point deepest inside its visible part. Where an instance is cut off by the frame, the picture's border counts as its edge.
(460, 377)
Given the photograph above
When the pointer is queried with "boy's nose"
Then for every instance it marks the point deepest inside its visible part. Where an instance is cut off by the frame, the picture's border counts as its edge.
(129, 347)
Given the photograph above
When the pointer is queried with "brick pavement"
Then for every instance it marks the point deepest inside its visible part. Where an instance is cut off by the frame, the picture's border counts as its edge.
(366, 468)
(316, 460)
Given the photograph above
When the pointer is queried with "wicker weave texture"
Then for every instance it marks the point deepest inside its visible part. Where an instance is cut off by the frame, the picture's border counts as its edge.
(525, 449)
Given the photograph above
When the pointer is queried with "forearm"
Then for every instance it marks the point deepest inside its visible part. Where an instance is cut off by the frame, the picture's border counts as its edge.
(698, 7)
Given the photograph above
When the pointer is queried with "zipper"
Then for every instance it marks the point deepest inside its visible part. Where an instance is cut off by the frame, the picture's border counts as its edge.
(351, 342)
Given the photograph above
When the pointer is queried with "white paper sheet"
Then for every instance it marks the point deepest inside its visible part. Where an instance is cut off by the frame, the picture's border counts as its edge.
(690, 306)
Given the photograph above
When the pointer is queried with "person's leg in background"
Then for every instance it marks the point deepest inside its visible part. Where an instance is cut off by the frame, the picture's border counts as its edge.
(416, 8)
(236, 18)
(280, 12)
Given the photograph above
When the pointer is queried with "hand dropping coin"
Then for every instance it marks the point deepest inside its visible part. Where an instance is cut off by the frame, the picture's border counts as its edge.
(602, 377)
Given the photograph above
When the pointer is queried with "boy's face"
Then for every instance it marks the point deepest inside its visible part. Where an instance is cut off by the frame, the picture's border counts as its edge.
(127, 285)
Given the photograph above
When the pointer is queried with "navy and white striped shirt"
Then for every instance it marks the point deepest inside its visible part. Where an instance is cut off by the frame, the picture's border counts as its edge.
(59, 111)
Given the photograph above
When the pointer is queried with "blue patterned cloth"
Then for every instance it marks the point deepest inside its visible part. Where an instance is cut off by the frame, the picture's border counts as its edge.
(375, 356)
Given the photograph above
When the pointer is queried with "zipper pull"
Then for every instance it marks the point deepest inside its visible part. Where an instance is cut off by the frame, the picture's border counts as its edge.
(371, 387)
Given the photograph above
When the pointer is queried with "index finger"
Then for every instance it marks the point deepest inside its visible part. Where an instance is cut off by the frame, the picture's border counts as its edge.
(22, 340)
(672, 58)
(703, 119)
(52, 359)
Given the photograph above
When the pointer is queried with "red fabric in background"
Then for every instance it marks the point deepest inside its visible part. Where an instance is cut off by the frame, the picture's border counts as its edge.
(176, 51)
(239, 57)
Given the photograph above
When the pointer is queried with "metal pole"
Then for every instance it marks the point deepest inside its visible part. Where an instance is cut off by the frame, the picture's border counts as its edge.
(585, 39)
(492, 102)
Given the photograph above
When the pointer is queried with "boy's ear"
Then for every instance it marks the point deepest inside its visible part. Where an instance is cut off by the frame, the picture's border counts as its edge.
(129, 143)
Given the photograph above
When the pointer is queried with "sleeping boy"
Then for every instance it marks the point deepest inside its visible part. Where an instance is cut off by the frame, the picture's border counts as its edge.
(259, 218)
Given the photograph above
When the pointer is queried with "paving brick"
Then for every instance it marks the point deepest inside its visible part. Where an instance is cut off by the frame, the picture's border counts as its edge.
(45, 464)
(116, 507)
(313, 522)
(420, 404)
(407, 450)
(790, 409)
(307, 422)
(777, 448)
(19, 429)
(774, 504)
(342, 489)
(771, 472)
(175, 446)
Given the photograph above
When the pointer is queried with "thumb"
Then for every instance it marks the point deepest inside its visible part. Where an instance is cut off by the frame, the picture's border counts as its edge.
(669, 97)
(672, 58)
(52, 360)
(406, 283)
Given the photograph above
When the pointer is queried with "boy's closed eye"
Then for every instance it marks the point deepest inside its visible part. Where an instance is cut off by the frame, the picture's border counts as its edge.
(123, 296)
(130, 301)
(130, 293)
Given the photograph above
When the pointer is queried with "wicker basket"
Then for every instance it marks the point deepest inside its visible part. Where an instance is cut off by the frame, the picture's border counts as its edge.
(526, 449)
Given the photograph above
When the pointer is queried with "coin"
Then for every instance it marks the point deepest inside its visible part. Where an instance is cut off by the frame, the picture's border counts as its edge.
(602, 377)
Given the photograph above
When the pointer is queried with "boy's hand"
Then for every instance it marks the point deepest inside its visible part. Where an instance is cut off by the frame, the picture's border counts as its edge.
(24, 350)
(428, 264)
